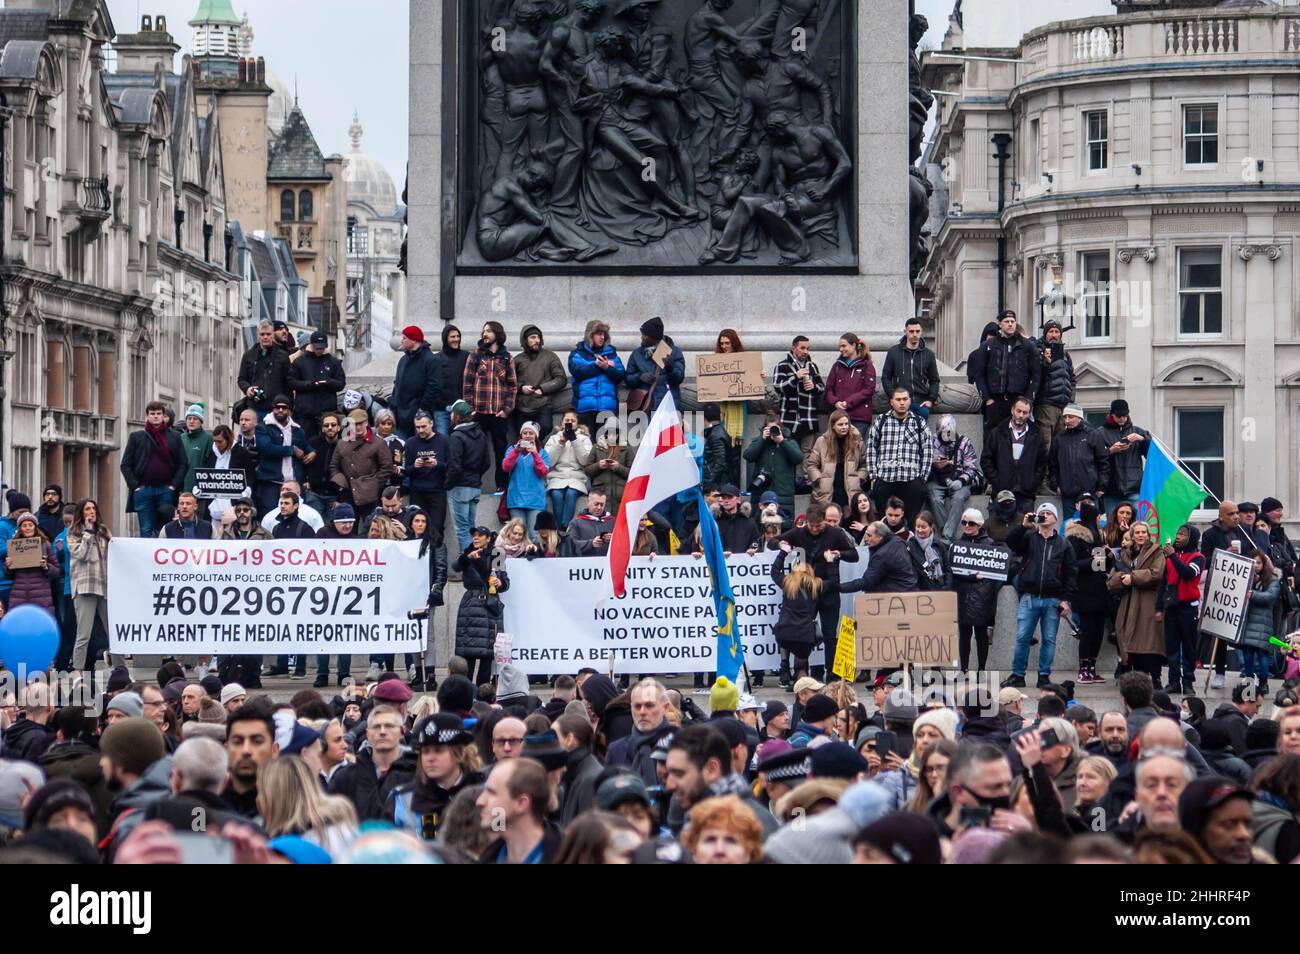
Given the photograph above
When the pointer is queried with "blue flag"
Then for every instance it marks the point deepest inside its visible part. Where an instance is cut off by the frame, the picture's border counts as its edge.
(731, 654)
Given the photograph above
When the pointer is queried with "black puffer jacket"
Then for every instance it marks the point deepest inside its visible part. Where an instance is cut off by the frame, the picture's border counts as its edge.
(889, 570)
(1078, 462)
(479, 619)
(717, 455)
(977, 600)
(1010, 367)
(1126, 466)
(1047, 563)
(1056, 380)
(27, 740)
(469, 455)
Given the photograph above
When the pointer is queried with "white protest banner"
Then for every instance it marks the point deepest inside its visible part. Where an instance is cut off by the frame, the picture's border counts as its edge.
(1227, 588)
(665, 622)
(265, 596)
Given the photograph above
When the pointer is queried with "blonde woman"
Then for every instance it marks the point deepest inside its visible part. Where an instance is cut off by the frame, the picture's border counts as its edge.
(291, 802)
(386, 528)
(1136, 579)
(513, 541)
(796, 628)
(837, 463)
(1092, 778)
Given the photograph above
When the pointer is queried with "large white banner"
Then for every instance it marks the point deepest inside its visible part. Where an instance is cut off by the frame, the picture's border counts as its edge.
(665, 623)
(189, 597)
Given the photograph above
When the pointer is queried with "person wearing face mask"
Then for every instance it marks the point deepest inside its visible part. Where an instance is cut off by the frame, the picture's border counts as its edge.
(954, 471)
(1139, 634)
(979, 777)
(1091, 599)
(1177, 606)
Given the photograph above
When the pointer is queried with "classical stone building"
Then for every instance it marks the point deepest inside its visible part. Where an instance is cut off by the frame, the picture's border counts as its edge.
(375, 230)
(1139, 172)
(117, 288)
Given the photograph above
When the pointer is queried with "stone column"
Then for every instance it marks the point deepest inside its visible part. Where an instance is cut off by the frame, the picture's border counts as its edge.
(80, 473)
(1257, 425)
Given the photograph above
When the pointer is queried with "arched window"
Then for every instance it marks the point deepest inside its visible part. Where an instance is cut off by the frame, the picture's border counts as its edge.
(304, 205)
(286, 205)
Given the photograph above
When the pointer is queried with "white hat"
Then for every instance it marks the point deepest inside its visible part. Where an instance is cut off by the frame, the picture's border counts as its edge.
(232, 690)
(1072, 409)
(973, 515)
(748, 703)
(1048, 508)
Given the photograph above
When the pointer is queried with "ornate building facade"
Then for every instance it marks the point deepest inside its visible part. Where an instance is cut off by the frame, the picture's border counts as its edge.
(1140, 174)
(116, 267)
(375, 229)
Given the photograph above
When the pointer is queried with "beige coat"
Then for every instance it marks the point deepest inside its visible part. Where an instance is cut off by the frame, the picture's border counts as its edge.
(1136, 628)
(823, 459)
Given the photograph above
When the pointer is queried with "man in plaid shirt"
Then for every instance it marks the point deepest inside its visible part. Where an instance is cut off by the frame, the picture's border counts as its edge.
(490, 389)
(899, 456)
(800, 386)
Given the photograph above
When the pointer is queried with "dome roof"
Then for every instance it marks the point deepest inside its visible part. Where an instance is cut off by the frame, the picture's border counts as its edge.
(368, 180)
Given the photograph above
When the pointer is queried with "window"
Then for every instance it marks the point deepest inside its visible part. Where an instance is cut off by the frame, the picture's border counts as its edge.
(1096, 418)
(361, 241)
(286, 205)
(1200, 448)
(1200, 135)
(1200, 295)
(1036, 151)
(1095, 294)
(304, 205)
(1096, 125)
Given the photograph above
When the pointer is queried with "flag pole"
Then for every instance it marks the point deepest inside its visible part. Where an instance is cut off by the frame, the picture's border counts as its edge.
(1178, 462)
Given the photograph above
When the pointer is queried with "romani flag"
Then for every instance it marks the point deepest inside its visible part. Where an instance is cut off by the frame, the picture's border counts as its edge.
(663, 467)
(1169, 494)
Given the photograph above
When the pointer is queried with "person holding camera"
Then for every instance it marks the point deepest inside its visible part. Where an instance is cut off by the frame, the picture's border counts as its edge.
(569, 449)
(774, 457)
(1046, 585)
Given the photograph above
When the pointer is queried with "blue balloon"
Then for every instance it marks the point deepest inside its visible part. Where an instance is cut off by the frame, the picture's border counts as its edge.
(29, 638)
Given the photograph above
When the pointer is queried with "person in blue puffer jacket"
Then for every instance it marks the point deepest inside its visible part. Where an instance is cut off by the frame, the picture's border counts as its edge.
(527, 464)
(66, 611)
(597, 372)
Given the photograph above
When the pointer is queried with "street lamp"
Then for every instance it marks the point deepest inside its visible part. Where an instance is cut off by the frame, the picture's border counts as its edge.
(1056, 304)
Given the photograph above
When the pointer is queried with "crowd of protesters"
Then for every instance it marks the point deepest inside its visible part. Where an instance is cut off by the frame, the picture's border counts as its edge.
(479, 768)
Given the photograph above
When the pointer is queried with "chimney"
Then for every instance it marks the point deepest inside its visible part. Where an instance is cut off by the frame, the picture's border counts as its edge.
(152, 47)
(261, 70)
(243, 72)
(146, 24)
(161, 22)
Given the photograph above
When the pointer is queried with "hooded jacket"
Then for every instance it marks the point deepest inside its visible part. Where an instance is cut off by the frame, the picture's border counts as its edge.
(469, 455)
(363, 466)
(196, 446)
(1180, 580)
(51, 521)
(737, 531)
(272, 450)
(1056, 380)
(1093, 560)
(852, 381)
(541, 369)
(823, 462)
(415, 387)
(595, 389)
(960, 451)
(448, 372)
(915, 370)
(975, 360)
(27, 740)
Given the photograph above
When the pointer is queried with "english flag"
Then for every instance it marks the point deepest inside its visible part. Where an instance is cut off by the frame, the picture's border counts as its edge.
(663, 467)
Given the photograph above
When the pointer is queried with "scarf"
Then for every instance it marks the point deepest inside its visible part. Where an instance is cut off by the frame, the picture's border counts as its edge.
(511, 550)
(158, 434)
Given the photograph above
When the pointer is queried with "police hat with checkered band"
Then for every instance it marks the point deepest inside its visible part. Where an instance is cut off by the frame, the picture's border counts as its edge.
(441, 728)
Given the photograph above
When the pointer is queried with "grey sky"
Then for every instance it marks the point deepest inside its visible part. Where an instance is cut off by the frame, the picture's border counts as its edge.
(344, 54)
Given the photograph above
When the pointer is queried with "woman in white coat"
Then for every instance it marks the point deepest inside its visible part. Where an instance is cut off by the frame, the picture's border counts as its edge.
(569, 448)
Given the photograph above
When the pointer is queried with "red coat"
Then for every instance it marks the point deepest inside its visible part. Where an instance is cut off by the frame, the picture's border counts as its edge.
(855, 385)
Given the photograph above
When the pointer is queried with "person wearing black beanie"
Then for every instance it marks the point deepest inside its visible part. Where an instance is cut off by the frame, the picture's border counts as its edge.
(898, 839)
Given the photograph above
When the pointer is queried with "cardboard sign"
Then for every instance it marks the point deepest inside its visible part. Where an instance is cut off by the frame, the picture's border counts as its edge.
(662, 353)
(846, 649)
(898, 628)
(967, 559)
(729, 377)
(1227, 593)
(211, 482)
(25, 553)
(501, 647)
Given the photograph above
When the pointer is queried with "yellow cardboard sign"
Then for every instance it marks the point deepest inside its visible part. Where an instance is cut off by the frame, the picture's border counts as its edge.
(846, 649)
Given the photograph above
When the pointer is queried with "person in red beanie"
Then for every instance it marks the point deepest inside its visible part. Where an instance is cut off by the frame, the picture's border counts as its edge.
(415, 384)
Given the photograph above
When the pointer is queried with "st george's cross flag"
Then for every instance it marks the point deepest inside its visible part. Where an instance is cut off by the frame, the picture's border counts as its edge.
(664, 466)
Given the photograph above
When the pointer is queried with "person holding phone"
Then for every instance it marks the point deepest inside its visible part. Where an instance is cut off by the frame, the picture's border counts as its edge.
(569, 450)
(589, 533)
(528, 465)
